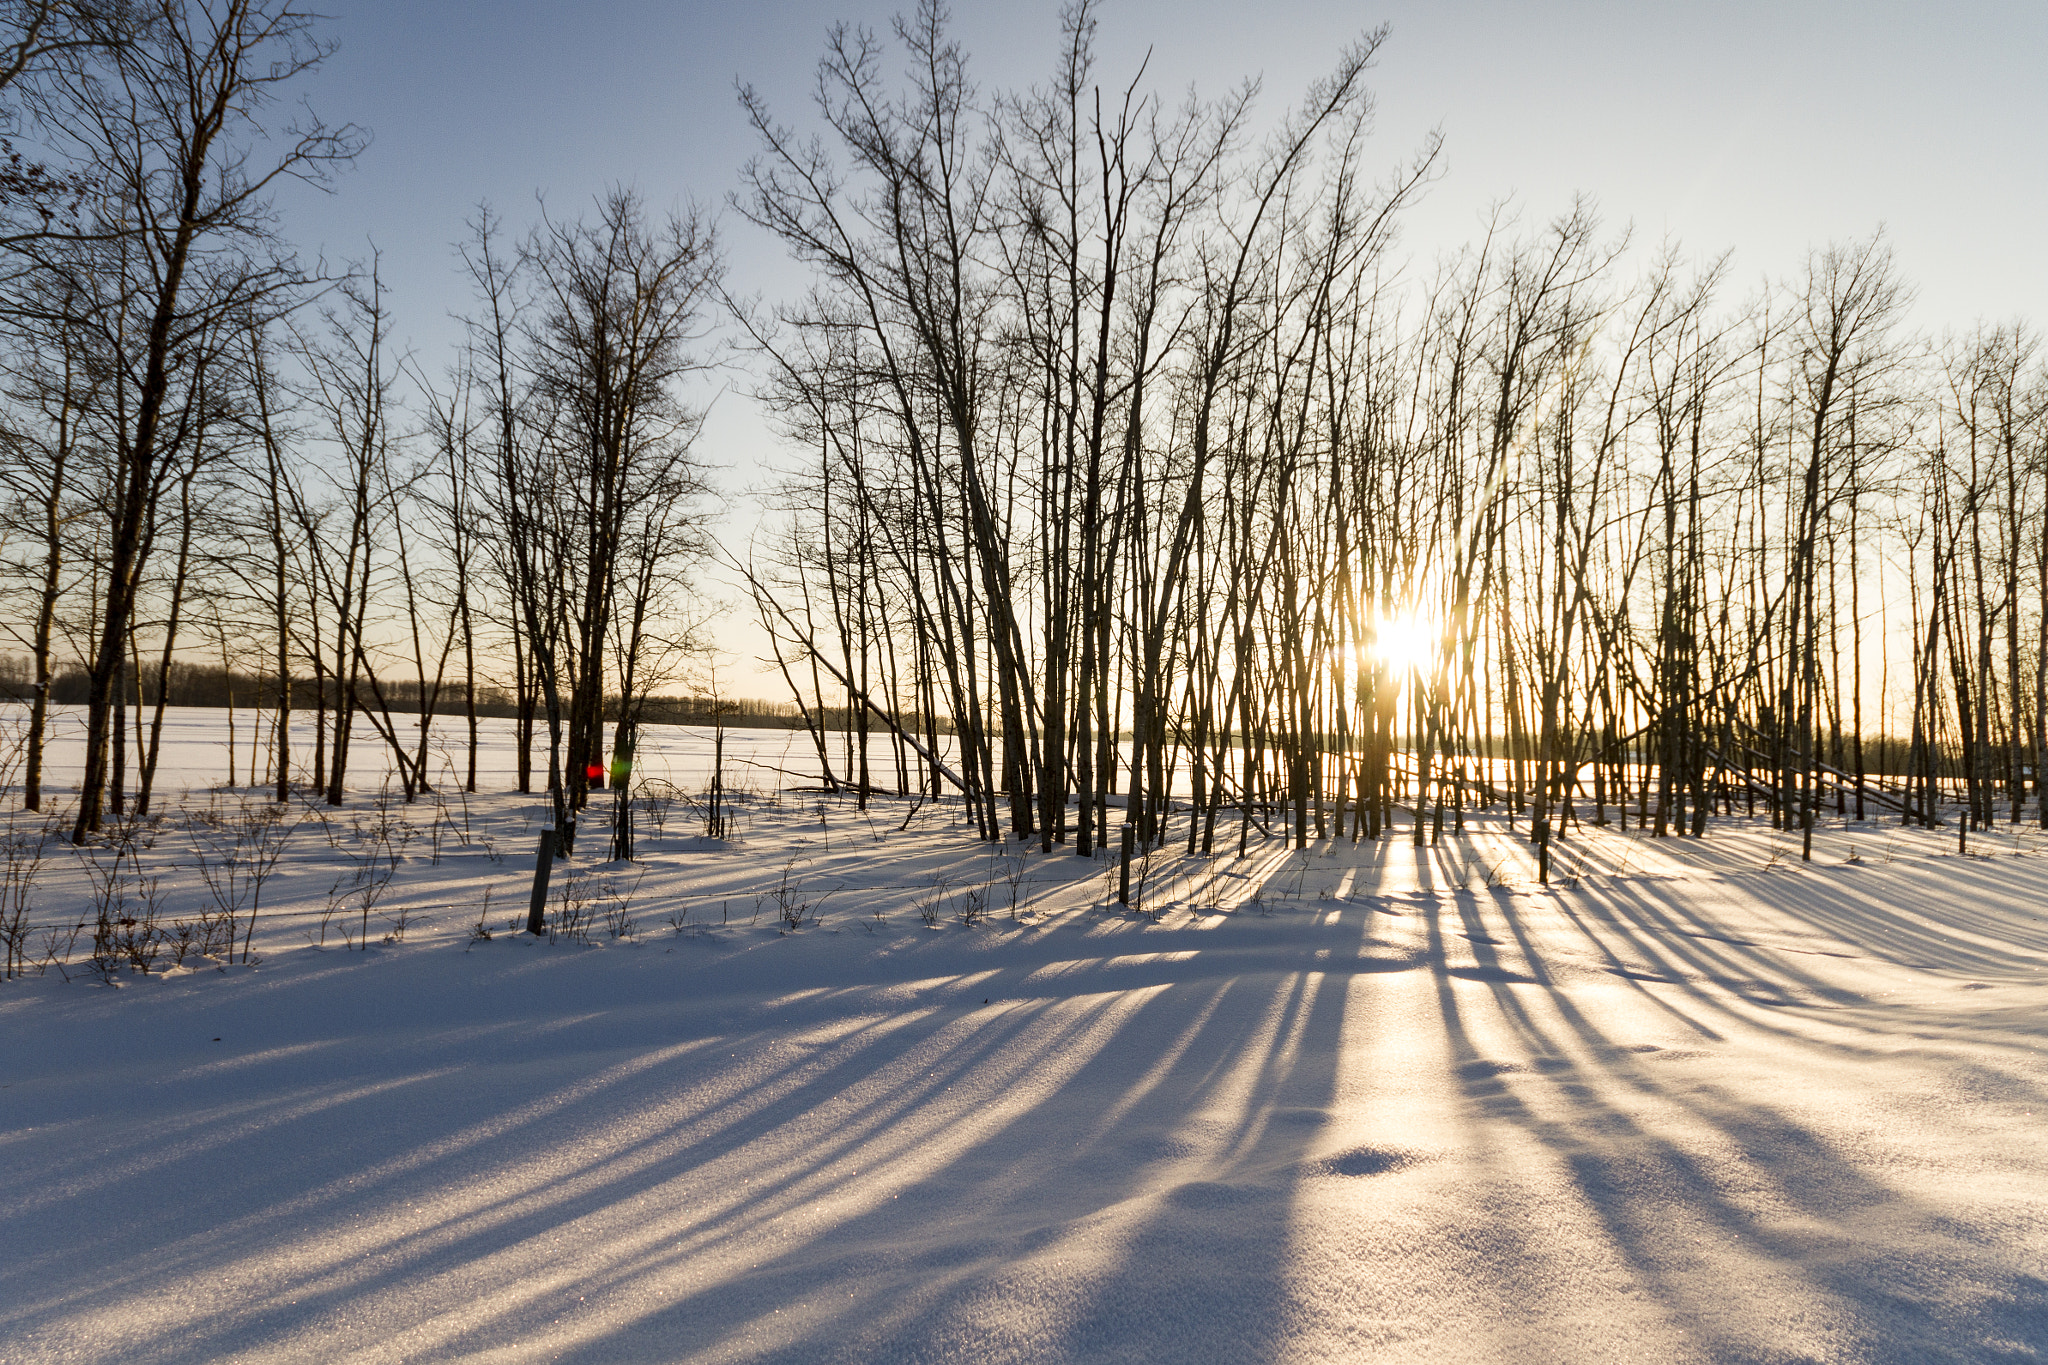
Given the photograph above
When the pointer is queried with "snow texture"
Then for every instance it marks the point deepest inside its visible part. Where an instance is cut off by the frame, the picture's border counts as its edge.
(1695, 1101)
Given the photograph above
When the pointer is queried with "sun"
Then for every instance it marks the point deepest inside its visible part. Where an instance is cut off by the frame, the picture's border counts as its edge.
(1404, 642)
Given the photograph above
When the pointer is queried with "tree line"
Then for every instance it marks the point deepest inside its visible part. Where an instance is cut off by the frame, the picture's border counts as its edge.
(1131, 445)
(190, 683)
(213, 455)
(1136, 466)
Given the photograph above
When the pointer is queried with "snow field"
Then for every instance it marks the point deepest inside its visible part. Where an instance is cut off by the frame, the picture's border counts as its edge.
(1695, 1101)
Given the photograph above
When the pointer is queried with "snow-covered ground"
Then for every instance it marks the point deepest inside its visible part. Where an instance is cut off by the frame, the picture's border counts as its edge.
(1695, 1101)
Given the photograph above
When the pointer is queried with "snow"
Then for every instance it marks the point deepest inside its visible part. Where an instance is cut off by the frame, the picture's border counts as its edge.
(1695, 1101)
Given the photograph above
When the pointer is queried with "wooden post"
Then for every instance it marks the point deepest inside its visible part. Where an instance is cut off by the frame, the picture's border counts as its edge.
(1123, 883)
(622, 801)
(543, 863)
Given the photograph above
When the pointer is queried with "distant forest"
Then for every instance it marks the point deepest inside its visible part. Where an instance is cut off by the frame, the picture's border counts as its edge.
(1129, 449)
(190, 684)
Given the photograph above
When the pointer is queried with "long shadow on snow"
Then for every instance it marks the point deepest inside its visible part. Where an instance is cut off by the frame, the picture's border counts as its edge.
(961, 1264)
(1934, 916)
(1650, 1191)
(346, 1157)
(347, 1169)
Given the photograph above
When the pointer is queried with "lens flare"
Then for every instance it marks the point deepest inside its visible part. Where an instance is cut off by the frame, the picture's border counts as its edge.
(1404, 642)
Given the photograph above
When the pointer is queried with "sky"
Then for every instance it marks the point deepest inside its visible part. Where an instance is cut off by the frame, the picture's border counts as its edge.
(1765, 128)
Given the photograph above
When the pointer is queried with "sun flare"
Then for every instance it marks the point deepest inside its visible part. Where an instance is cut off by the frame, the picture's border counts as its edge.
(1403, 642)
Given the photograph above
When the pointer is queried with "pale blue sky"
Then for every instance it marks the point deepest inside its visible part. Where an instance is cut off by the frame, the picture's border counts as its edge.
(1765, 127)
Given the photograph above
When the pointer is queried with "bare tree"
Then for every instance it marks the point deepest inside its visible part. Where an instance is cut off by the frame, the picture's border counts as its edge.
(618, 308)
(169, 141)
(54, 405)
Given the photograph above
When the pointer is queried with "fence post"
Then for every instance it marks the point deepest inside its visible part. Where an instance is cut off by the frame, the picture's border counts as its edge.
(543, 863)
(622, 789)
(1123, 884)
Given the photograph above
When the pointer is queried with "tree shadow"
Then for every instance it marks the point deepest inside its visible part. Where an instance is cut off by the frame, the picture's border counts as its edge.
(1730, 1209)
(1106, 1142)
(688, 1191)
